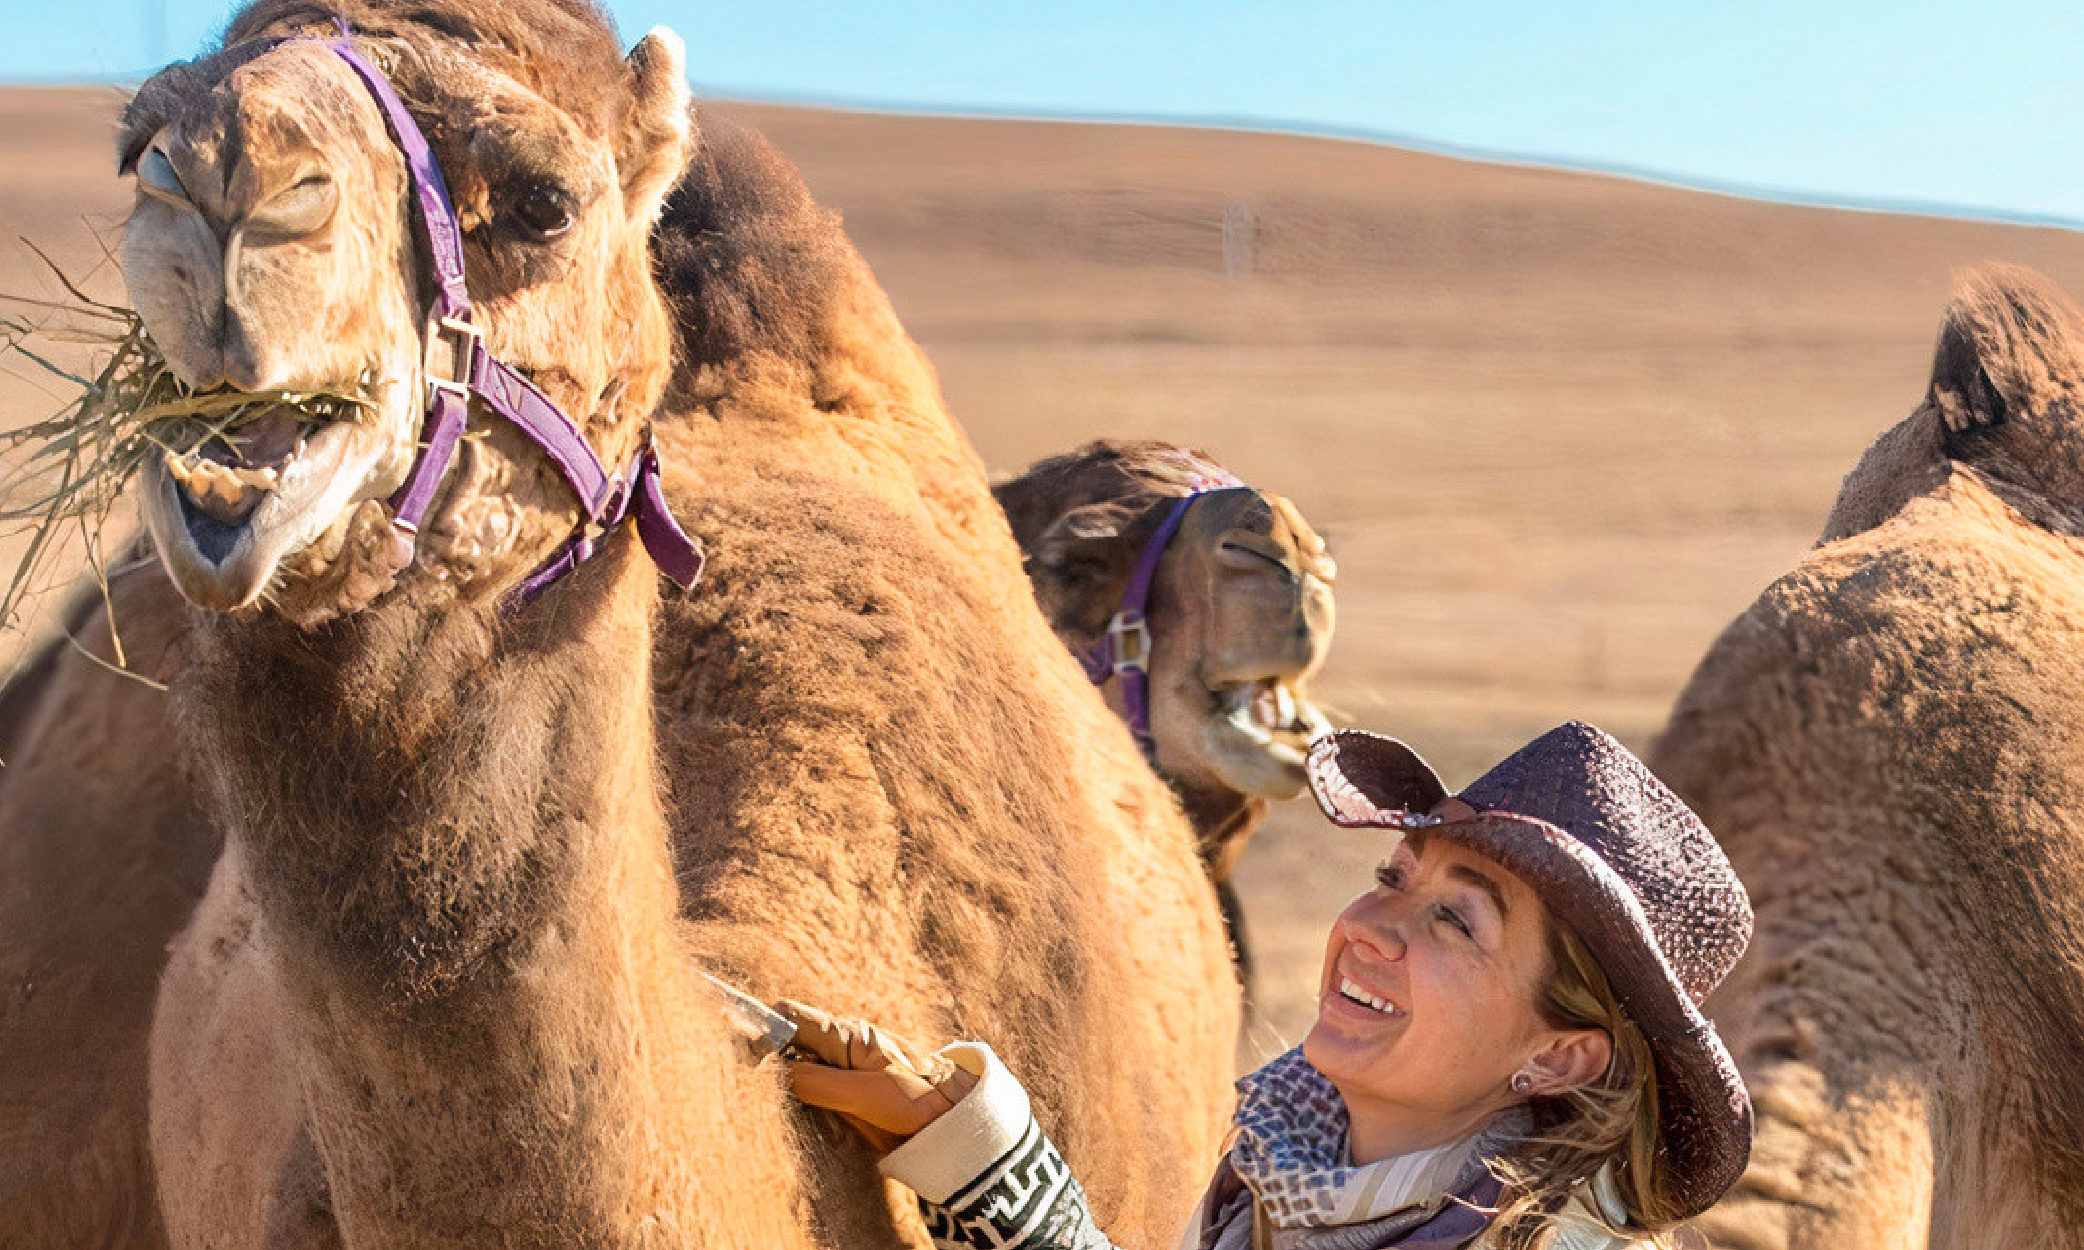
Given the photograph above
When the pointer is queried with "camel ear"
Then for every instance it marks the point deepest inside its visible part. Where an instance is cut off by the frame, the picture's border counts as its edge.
(1084, 560)
(1962, 392)
(658, 138)
(2008, 347)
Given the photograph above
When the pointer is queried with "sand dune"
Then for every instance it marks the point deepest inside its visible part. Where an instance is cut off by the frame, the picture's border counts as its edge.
(1560, 428)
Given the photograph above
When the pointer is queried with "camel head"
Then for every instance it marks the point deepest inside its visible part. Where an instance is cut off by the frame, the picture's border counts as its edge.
(2008, 383)
(275, 247)
(2006, 401)
(1240, 613)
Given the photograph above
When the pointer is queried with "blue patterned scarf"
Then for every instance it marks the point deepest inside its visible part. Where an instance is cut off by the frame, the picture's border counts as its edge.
(1290, 1153)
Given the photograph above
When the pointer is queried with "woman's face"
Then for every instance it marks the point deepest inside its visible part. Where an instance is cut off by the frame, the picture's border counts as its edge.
(1426, 1007)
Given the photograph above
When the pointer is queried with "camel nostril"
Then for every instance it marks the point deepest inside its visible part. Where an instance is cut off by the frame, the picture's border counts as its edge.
(243, 367)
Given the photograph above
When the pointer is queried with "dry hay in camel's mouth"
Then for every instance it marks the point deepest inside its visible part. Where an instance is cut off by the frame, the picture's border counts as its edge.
(65, 474)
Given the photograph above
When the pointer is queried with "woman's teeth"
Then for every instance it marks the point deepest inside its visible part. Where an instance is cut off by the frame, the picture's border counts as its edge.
(1353, 993)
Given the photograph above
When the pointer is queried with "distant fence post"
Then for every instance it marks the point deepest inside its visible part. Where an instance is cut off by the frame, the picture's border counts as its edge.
(1240, 238)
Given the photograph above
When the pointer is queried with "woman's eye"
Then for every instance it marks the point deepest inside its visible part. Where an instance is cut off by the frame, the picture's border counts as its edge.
(1389, 877)
(1453, 917)
(543, 212)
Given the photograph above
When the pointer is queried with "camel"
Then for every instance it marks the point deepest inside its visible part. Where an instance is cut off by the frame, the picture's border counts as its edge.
(443, 984)
(1240, 618)
(1890, 744)
(104, 853)
(99, 888)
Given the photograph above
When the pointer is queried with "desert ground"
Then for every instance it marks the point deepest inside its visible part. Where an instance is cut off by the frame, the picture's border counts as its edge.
(1558, 428)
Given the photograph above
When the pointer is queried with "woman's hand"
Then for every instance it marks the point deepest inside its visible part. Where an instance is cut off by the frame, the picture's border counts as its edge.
(864, 1076)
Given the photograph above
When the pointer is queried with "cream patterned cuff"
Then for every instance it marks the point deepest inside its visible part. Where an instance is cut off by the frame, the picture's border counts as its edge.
(942, 1159)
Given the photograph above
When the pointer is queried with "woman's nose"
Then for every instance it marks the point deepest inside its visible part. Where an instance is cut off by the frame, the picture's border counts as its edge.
(1378, 936)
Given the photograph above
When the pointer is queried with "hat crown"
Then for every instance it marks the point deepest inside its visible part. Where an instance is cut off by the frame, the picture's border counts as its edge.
(1580, 780)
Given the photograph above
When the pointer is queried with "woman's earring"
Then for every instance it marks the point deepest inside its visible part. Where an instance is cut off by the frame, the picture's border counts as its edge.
(1521, 1082)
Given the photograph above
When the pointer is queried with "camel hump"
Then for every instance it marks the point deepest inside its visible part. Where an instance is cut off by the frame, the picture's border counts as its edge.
(746, 258)
(2006, 400)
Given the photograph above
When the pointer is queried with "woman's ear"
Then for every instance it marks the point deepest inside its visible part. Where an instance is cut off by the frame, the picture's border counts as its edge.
(1572, 1058)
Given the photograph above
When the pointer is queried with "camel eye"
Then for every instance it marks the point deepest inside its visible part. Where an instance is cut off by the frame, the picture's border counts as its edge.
(297, 212)
(156, 177)
(543, 211)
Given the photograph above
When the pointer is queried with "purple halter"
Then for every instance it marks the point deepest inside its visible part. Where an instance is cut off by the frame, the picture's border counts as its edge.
(1124, 651)
(458, 369)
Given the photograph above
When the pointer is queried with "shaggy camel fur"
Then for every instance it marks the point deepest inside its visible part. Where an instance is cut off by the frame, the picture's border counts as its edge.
(866, 662)
(1890, 743)
(1240, 617)
(103, 855)
(438, 987)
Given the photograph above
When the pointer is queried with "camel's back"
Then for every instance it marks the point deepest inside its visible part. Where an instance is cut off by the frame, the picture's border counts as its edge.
(1890, 744)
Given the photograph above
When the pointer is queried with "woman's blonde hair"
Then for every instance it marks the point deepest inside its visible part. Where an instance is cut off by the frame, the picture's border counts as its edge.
(1611, 1121)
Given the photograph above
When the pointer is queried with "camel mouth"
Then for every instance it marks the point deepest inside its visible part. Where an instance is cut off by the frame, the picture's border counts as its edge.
(1271, 719)
(232, 496)
(226, 472)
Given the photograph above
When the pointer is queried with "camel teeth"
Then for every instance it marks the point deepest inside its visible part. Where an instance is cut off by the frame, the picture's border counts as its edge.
(1284, 704)
(207, 479)
(1245, 720)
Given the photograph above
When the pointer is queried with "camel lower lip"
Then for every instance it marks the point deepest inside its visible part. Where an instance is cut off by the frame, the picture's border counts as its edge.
(223, 557)
(1270, 717)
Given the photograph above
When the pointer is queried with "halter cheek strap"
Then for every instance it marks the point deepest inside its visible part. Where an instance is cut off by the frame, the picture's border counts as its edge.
(1123, 653)
(458, 369)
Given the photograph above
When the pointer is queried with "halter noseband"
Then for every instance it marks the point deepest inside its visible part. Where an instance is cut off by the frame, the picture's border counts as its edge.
(1124, 651)
(458, 369)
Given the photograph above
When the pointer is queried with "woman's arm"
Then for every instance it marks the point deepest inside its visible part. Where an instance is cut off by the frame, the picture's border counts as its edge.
(961, 1135)
(987, 1177)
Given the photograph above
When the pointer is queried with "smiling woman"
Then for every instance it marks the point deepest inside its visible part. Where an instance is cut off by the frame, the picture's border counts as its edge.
(1473, 1076)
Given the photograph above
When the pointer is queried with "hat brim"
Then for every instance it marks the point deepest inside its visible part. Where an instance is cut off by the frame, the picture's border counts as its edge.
(1704, 1113)
(1365, 780)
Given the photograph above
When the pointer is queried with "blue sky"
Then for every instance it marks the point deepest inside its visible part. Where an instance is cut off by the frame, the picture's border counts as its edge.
(1911, 103)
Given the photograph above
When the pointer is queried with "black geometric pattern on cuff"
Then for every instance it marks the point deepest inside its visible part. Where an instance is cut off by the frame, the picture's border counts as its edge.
(1026, 1200)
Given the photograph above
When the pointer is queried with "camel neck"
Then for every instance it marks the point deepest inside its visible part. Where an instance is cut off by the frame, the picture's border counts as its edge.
(1223, 821)
(458, 777)
(460, 873)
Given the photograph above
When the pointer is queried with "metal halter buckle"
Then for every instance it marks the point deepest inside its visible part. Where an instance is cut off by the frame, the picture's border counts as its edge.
(614, 488)
(1132, 642)
(451, 348)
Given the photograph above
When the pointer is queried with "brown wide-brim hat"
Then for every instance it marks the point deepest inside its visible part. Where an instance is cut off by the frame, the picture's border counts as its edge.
(1626, 864)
